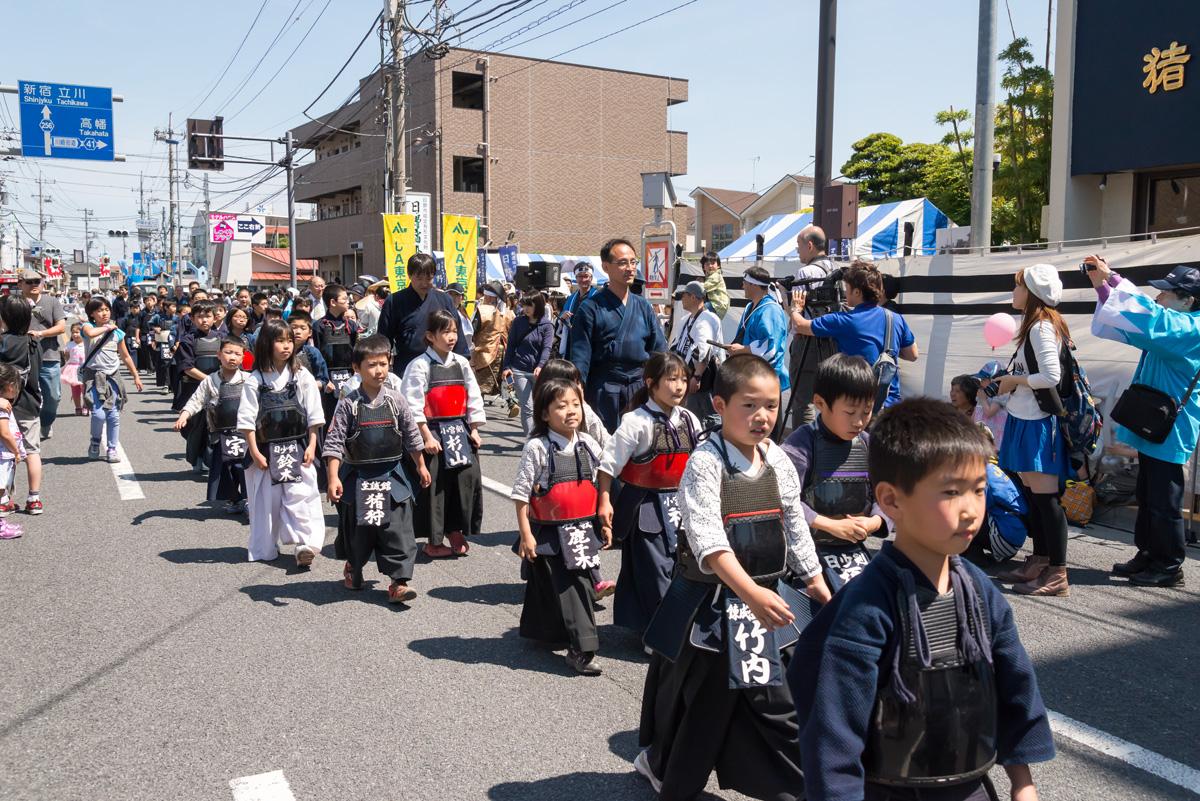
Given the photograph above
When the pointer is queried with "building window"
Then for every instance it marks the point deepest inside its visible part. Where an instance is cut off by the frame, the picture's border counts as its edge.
(722, 235)
(1170, 202)
(467, 89)
(468, 174)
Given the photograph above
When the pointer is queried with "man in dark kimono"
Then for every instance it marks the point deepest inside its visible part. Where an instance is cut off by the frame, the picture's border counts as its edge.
(404, 315)
(612, 335)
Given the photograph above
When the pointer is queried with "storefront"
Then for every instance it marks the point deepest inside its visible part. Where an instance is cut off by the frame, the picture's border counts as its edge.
(1126, 156)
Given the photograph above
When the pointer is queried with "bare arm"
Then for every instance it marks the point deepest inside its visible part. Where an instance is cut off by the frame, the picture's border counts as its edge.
(129, 365)
(909, 354)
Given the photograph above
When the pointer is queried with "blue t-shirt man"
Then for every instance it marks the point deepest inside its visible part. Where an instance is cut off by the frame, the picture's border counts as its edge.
(862, 332)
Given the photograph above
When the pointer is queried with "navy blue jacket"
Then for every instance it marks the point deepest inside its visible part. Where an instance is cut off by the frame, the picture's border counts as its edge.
(844, 649)
(529, 344)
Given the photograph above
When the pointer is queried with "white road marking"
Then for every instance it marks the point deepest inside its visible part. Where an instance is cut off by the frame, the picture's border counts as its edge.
(127, 483)
(496, 486)
(271, 786)
(1156, 764)
(1175, 772)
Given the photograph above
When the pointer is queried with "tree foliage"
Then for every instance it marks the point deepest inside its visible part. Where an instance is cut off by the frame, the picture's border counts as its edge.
(886, 169)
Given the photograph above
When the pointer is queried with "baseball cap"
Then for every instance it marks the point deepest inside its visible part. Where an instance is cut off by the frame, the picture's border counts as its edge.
(457, 288)
(359, 289)
(1185, 278)
(989, 370)
(693, 287)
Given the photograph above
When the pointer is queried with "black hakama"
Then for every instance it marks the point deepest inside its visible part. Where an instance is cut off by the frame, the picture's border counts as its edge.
(648, 543)
(393, 541)
(226, 480)
(558, 601)
(693, 723)
(452, 500)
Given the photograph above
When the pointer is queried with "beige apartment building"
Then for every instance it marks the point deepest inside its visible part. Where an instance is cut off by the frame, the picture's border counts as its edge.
(548, 155)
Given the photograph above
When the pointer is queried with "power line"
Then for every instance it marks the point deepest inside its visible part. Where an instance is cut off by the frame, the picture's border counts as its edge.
(231, 58)
(239, 86)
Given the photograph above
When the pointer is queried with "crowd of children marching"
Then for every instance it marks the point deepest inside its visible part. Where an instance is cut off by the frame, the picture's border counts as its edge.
(743, 565)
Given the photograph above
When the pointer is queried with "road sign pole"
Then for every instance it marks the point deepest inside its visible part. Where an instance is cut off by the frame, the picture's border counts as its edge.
(291, 193)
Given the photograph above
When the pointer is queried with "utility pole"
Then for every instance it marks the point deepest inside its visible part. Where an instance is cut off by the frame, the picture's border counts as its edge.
(396, 90)
(291, 193)
(823, 168)
(985, 121)
(87, 246)
(42, 199)
(168, 136)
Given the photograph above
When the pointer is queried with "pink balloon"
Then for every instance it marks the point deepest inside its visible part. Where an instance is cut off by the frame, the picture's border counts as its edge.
(999, 329)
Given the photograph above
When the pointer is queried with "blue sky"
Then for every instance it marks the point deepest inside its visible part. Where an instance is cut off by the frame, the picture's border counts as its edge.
(751, 68)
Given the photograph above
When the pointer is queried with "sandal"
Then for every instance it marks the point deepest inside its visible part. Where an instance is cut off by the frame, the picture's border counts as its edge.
(354, 578)
(437, 551)
(458, 543)
(399, 593)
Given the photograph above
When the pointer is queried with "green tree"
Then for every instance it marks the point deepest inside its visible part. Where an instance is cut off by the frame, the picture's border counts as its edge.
(1023, 127)
(888, 170)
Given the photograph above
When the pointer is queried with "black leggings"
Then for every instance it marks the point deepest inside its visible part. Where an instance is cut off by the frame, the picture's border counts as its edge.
(1048, 526)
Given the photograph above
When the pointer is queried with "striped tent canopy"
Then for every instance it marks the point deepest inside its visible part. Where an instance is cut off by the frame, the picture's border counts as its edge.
(881, 232)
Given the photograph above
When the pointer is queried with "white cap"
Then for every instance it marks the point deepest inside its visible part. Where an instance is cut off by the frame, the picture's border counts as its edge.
(1042, 280)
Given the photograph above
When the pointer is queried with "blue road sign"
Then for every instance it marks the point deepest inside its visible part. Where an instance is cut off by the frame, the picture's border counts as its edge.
(63, 121)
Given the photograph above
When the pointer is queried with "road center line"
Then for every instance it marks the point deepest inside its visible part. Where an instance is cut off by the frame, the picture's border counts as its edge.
(496, 486)
(1175, 772)
(1158, 765)
(271, 786)
(127, 484)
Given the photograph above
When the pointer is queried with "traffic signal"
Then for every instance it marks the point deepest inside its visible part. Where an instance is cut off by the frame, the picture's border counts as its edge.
(205, 147)
(118, 233)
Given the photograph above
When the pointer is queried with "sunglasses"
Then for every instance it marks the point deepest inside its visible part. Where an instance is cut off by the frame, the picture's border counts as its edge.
(33, 282)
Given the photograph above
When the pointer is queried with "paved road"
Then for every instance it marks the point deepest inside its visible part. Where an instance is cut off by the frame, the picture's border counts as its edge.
(144, 658)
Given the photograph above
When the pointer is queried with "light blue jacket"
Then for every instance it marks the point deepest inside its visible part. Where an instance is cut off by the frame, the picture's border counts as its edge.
(1170, 343)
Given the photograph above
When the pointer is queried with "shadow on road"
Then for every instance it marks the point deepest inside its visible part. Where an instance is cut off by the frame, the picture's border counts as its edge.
(507, 651)
(68, 460)
(486, 594)
(227, 555)
(582, 786)
(316, 592)
(198, 514)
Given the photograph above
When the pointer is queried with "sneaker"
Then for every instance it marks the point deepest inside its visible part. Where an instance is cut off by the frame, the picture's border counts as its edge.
(48, 432)
(304, 556)
(354, 578)
(198, 467)
(34, 507)
(605, 589)
(399, 593)
(8, 507)
(235, 507)
(10, 531)
(165, 391)
(584, 662)
(642, 766)
(513, 411)
(112, 457)
(94, 450)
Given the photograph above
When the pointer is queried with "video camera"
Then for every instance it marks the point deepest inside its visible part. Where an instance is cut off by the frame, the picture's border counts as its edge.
(993, 388)
(823, 294)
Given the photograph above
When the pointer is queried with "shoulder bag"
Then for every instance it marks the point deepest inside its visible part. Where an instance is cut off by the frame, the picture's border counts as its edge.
(1148, 412)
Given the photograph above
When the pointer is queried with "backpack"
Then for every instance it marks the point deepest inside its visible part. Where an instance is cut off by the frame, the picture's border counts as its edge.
(1079, 420)
(885, 367)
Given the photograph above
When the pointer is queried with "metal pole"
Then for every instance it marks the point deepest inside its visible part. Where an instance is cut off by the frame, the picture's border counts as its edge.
(823, 170)
(291, 193)
(985, 121)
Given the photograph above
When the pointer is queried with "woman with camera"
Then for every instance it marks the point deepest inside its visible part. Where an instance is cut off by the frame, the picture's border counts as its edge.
(1160, 412)
(1033, 445)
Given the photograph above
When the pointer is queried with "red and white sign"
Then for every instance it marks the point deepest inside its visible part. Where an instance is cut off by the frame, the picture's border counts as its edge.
(656, 263)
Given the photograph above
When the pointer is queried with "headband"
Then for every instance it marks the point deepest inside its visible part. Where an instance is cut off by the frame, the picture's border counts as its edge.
(749, 279)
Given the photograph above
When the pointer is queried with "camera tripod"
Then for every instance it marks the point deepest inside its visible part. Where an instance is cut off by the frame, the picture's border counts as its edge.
(820, 348)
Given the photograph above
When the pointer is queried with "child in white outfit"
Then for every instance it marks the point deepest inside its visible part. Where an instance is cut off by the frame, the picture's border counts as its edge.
(12, 450)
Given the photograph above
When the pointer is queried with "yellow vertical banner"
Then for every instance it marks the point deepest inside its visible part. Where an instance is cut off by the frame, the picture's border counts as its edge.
(460, 238)
(399, 243)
